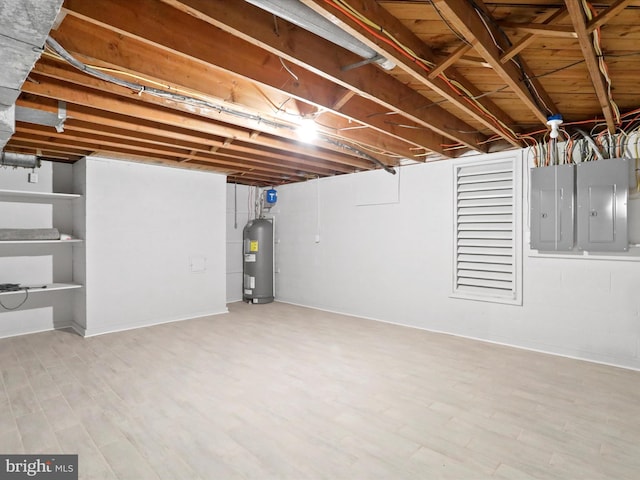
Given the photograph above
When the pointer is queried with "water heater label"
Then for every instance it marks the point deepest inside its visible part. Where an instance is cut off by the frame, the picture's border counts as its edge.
(247, 292)
(249, 257)
(253, 246)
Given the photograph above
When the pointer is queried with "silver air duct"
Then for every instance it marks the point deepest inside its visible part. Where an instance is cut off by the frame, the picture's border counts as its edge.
(10, 159)
(24, 25)
(299, 14)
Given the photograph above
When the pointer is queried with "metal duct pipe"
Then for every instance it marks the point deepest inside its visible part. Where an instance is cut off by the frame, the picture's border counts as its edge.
(11, 159)
(299, 14)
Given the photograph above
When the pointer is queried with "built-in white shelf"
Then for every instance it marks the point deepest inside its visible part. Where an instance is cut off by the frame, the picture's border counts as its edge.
(52, 287)
(23, 196)
(38, 242)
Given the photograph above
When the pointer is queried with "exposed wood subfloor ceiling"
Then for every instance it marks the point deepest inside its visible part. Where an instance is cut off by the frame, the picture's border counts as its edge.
(223, 85)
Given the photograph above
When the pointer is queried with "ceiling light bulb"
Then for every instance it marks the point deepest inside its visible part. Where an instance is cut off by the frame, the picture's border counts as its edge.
(307, 130)
(554, 121)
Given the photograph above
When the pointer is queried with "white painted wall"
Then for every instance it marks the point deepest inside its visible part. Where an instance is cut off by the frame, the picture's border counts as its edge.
(37, 264)
(237, 217)
(155, 244)
(393, 262)
(17, 178)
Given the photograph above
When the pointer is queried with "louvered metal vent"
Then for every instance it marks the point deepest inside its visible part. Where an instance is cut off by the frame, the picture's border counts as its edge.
(485, 242)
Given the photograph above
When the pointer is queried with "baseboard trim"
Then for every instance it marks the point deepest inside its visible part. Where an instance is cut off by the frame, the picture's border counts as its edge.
(468, 337)
(122, 328)
(76, 327)
(30, 332)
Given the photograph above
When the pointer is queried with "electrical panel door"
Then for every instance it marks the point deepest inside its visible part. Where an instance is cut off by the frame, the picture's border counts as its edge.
(603, 188)
(552, 207)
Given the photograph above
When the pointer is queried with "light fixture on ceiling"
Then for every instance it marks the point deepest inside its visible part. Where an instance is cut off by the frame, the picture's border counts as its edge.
(307, 130)
(554, 122)
(299, 14)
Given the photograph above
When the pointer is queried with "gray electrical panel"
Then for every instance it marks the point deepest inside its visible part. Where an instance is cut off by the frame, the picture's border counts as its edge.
(552, 207)
(603, 190)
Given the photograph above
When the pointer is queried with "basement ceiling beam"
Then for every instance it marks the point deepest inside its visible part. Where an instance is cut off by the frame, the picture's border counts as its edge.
(61, 71)
(322, 57)
(607, 15)
(100, 87)
(162, 126)
(468, 21)
(546, 18)
(75, 95)
(142, 60)
(104, 48)
(145, 20)
(420, 70)
(252, 179)
(264, 161)
(342, 101)
(95, 45)
(73, 145)
(447, 62)
(192, 155)
(542, 30)
(585, 40)
(47, 151)
(97, 140)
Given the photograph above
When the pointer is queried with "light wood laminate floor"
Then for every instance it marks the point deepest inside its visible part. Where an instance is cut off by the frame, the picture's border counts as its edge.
(278, 391)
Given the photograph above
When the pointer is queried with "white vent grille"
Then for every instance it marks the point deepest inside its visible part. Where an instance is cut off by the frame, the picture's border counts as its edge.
(485, 248)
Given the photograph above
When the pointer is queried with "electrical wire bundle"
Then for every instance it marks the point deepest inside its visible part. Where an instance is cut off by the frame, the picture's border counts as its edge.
(380, 33)
(589, 12)
(596, 144)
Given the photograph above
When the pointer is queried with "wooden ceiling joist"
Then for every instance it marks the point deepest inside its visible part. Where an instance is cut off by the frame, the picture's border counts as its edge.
(93, 44)
(577, 15)
(342, 101)
(447, 62)
(542, 30)
(223, 85)
(318, 55)
(260, 160)
(417, 67)
(46, 133)
(46, 136)
(144, 128)
(75, 147)
(604, 17)
(47, 151)
(545, 18)
(471, 24)
(145, 21)
(77, 95)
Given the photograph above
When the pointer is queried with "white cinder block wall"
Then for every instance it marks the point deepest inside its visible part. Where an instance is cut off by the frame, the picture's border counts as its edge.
(393, 262)
(155, 244)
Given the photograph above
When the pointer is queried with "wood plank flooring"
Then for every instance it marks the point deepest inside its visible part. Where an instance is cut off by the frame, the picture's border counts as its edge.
(283, 392)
